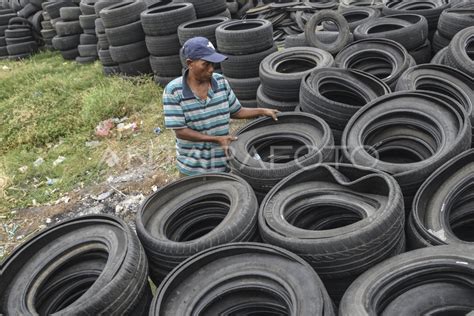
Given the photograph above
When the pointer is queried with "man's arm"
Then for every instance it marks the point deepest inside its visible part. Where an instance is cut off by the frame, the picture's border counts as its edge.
(192, 135)
(248, 113)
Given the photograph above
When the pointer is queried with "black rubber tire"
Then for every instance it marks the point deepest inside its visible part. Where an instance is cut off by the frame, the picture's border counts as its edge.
(455, 19)
(48, 34)
(46, 25)
(99, 26)
(85, 59)
(406, 142)
(396, 283)
(87, 7)
(5, 18)
(422, 54)
(386, 59)
(118, 286)
(99, 5)
(52, 8)
(205, 27)
(460, 51)
(342, 39)
(128, 53)
(27, 11)
(244, 89)
(298, 130)
(168, 226)
(206, 8)
(122, 13)
(336, 94)
(442, 79)
(88, 50)
(88, 39)
(87, 22)
(102, 41)
(68, 28)
(3, 52)
(70, 54)
(240, 267)
(245, 66)
(354, 16)
(282, 71)
(18, 33)
(244, 37)
(111, 70)
(166, 66)
(440, 42)
(164, 20)
(264, 101)
(136, 67)
(296, 40)
(410, 30)
(105, 58)
(339, 228)
(70, 13)
(18, 40)
(162, 81)
(3, 43)
(19, 56)
(22, 48)
(66, 42)
(439, 57)
(165, 45)
(125, 34)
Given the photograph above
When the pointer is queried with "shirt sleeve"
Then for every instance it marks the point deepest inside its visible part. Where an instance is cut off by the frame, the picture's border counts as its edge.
(234, 104)
(173, 112)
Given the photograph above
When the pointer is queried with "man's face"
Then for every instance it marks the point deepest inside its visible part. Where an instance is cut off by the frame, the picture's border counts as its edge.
(201, 69)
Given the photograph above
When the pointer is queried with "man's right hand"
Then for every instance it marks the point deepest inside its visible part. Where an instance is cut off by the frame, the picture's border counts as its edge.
(224, 142)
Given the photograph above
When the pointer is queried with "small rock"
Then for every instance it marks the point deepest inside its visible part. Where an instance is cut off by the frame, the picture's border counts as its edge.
(103, 196)
(48, 220)
(154, 188)
(20, 237)
(129, 205)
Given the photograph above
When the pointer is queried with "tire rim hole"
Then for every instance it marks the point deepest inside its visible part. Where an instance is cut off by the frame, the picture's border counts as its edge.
(373, 63)
(340, 93)
(242, 26)
(295, 65)
(460, 207)
(167, 8)
(197, 218)
(277, 150)
(384, 28)
(202, 24)
(160, 4)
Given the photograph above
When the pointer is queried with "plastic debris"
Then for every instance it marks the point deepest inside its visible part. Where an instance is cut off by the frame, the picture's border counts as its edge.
(51, 181)
(38, 162)
(59, 160)
(23, 169)
(92, 144)
(157, 130)
(104, 127)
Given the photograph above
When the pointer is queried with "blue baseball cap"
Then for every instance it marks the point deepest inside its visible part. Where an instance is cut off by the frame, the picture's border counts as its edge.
(201, 48)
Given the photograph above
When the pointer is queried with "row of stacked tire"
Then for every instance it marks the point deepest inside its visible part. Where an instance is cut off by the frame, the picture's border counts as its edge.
(17, 36)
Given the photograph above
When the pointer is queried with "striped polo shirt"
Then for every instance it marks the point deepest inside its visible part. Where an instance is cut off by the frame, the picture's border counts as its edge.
(211, 116)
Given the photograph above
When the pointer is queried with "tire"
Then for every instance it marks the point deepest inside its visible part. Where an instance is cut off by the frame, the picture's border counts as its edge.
(282, 71)
(18, 40)
(99, 26)
(264, 101)
(455, 19)
(404, 141)
(231, 216)
(354, 16)
(111, 70)
(165, 45)
(27, 11)
(88, 50)
(125, 34)
(85, 59)
(299, 287)
(164, 20)
(297, 40)
(410, 30)
(298, 132)
(162, 81)
(46, 25)
(70, 54)
(22, 48)
(48, 34)
(136, 67)
(118, 286)
(99, 5)
(166, 66)
(440, 42)
(88, 39)
(429, 227)
(68, 28)
(105, 58)
(249, 104)
(244, 37)
(70, 13)
(338, 228)
(205, 27)
(21, 56)
(439, 58)
(18, 33)
(422, 54)
(5, 18)
(342, 39)
(128, 53)
(245, 66)
(372, 56)
(206, 8)
(122, 13)
(87, 8)
(66, 42)
(87, 22)
(335, 95)
(52, 8)
(3, 43)
(244, 89)
(444, 80)
(458, 55)
(3, 52)
(442, 289)
(103, 41)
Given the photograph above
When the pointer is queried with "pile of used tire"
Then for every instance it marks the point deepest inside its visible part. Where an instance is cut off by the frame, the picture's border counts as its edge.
(19, 39)
(109, 66)
(5, 15)
(68, 29)
(87, 47)
(47, 29)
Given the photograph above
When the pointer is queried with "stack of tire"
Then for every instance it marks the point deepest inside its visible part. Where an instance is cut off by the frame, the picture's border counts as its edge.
(460, 52)
(160, 24)
(51, 9)
(109, 66)
(47, 29)
(68, 31)
(87, 40)
(126, 39)
(246, 43)
(5, 16)
(208, 8)
(32, 12)
(19, 39)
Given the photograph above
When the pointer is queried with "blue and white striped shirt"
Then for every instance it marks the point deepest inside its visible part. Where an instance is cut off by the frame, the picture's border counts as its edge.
(182, 109)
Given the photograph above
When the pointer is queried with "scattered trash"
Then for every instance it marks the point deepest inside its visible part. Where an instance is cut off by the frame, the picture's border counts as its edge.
(59, 160)
(93, 144)
(20, 237)
(154, 188)
(122, 127)
(38, 162)
(103, 196)
(157, 130)
(6, 68)
(51, 181)
(10, 230)
(34, 202)
(129, 205)
(48, 220)
(64, 199)
(23, 169)
(104, 127)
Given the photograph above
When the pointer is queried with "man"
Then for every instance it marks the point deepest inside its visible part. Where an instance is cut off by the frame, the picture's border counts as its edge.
(198, 107)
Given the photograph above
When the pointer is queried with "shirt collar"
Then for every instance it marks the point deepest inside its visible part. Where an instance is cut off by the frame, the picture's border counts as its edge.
(188, 93)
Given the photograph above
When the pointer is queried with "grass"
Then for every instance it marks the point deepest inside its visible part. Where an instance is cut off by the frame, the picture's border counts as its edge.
(50, 108)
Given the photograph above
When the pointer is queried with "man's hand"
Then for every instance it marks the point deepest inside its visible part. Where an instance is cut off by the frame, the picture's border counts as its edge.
(224, 142)
(270, 113)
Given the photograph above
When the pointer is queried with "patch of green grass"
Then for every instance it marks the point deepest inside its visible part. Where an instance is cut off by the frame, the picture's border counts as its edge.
(49, 108)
